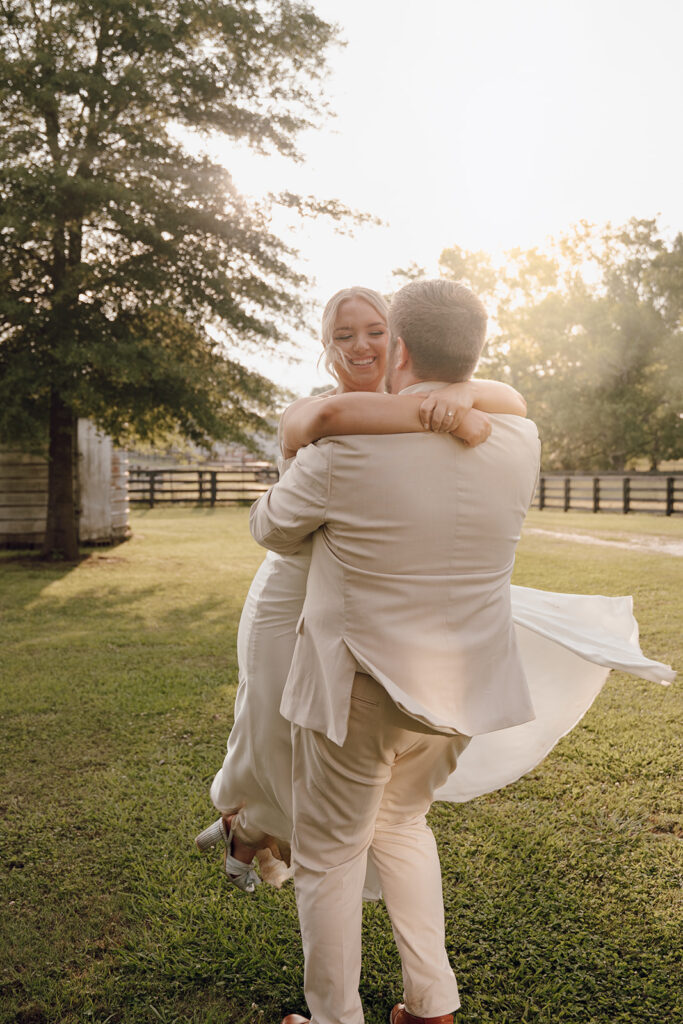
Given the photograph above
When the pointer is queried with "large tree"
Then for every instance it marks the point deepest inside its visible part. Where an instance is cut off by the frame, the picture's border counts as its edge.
(131, 270)
(591, 331)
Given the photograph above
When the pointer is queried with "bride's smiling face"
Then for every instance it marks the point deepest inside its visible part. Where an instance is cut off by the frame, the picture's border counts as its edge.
(360, 339)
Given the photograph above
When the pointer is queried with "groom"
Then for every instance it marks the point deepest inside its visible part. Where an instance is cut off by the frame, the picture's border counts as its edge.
(405, 649)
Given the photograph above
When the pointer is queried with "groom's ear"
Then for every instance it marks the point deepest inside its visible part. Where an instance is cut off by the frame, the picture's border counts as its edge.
(402, 354)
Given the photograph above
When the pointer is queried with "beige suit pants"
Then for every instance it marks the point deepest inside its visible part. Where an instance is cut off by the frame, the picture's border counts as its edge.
(371, 794)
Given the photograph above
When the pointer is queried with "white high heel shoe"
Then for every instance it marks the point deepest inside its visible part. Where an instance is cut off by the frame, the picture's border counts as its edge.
(240, 874)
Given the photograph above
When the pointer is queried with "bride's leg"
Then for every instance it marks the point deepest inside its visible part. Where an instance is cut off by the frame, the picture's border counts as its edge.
(271, 856)
(238, 857)
(240, 850)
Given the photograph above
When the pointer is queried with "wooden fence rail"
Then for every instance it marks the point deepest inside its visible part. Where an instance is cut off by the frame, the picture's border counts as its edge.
(635, 492)
(242, 483)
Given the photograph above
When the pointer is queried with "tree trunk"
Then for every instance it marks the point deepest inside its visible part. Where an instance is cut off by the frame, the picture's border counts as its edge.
(61, 530)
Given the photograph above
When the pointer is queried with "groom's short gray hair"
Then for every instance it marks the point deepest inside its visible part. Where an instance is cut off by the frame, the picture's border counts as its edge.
(443, 325)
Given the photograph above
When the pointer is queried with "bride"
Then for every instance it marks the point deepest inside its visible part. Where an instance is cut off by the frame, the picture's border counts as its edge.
(568, 642)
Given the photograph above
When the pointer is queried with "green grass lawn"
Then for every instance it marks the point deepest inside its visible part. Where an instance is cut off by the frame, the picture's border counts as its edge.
(608, 524)
(118, 678)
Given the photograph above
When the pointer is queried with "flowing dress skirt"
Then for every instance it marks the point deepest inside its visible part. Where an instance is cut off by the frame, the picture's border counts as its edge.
(568, 642)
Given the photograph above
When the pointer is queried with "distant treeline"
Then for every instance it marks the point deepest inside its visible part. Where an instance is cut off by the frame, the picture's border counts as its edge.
(590, 331)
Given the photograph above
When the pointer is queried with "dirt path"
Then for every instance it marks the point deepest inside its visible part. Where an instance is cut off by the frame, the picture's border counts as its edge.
(638, 542)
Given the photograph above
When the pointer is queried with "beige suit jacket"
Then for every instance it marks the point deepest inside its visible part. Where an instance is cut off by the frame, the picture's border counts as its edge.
(413, 549)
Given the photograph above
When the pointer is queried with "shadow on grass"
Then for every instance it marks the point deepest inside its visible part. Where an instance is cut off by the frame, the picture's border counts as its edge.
(24, 573)
(107, 608)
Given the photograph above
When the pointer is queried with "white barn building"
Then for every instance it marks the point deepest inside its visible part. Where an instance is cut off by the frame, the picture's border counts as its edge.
(102, 492)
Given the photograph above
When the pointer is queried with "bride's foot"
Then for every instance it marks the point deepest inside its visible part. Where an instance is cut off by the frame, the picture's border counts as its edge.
(240, 851)
(237, 856)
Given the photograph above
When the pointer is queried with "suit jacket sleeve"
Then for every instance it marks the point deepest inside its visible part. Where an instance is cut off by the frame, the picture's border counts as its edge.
(296, 506)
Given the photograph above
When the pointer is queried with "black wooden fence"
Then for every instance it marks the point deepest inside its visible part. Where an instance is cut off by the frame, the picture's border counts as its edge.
(636, 492)
(237, 484)
(242, 483)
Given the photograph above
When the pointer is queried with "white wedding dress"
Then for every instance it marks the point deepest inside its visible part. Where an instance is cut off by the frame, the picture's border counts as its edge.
(568, 642)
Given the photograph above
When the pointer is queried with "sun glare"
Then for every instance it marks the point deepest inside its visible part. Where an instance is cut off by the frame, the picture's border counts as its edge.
(488, 126)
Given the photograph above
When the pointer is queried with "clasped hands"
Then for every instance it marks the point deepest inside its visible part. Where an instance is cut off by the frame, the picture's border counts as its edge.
(448, 410)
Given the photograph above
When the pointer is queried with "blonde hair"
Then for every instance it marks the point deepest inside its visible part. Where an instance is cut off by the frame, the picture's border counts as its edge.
(331, 354)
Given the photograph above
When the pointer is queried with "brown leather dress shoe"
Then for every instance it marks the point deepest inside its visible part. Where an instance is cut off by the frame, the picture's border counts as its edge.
(399, 1015)
(295, 1018)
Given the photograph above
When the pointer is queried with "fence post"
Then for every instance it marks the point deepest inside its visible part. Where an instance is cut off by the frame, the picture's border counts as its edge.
(567, 493)
(627, 494)
(596, 493)
(200, 482)
(214, 486)
(541, 493)
(669, 495)
(152, 478)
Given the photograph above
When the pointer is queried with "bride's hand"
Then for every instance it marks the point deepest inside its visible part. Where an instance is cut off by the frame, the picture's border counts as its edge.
(474, 428)
(445, 409)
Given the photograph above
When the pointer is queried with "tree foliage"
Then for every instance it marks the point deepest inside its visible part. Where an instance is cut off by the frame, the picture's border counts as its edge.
(591, 332)
(131, 270)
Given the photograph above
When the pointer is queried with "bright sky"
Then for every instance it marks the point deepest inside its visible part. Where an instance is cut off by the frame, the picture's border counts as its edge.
(488, 124)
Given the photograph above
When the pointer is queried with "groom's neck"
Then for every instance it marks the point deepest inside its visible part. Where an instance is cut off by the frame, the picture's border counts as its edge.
(404, 378)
